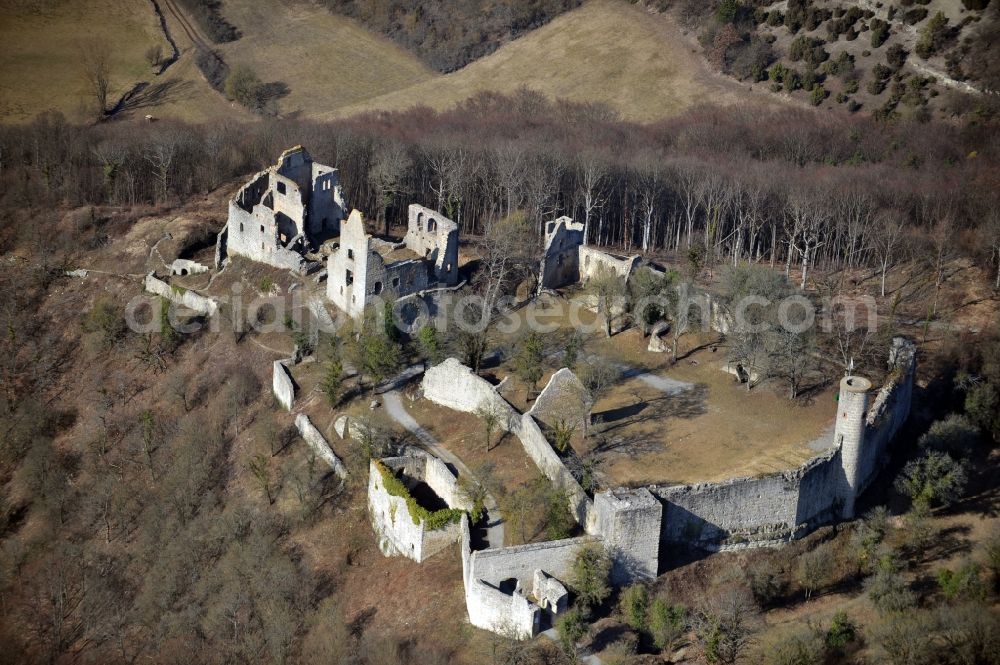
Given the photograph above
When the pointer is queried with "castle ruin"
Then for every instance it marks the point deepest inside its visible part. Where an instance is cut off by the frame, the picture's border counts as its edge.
(567, 259)
(284, 212)
(292, 214)
(519, 590)
(364, 267)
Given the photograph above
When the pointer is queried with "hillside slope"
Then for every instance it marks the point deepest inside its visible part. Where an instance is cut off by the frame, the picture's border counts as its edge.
(42, 44)
(326, 61)
(606, 51)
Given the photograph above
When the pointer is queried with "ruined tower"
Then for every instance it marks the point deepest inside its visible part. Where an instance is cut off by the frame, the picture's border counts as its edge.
(629, 521)
(850, 434)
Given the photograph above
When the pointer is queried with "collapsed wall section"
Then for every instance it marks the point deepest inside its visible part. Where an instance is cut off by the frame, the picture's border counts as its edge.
(401, 526)
(180, 296)
(282, 384)
(453, 385)
(593, 261)
(319, 444)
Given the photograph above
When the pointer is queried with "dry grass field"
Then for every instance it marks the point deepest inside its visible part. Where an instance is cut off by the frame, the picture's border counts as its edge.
(41, 46)
(327, 61)
(712, 431)
(607, 51)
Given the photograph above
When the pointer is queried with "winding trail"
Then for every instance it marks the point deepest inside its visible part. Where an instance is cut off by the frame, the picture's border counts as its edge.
(394, 407)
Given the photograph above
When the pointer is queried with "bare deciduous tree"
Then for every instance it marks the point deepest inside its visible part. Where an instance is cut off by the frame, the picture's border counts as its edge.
(95, 59)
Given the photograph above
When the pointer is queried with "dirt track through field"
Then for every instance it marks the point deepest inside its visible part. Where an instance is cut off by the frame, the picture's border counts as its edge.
(187, 26)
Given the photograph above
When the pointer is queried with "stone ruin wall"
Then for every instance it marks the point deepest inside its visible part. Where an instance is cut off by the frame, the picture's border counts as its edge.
(261, 213)
(560, 264)
(320, 445)
(629, 522)
(889, 410)
(391, 519)
(512, 613)
(372, 277)
(591, 261)
(752, 511)
(635, 524)
(769, 509)
(453, 385)
(548, 462)
(520, 562)
(180, 296)
(437, 242)
(282, 384)
(346, 296)
(252, 228)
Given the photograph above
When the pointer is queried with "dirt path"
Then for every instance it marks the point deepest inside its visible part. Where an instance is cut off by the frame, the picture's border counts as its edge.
(662, 383)
(394, 407)
(190, 30)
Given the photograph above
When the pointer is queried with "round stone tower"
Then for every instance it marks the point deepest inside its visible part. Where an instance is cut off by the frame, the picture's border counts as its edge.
(850, 434)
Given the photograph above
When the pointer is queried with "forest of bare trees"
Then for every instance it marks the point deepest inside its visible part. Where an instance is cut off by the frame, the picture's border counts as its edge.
(785, 188)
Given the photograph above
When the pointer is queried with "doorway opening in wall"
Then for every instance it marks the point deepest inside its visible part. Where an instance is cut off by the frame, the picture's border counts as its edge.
(395, 282)
(377, 288)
